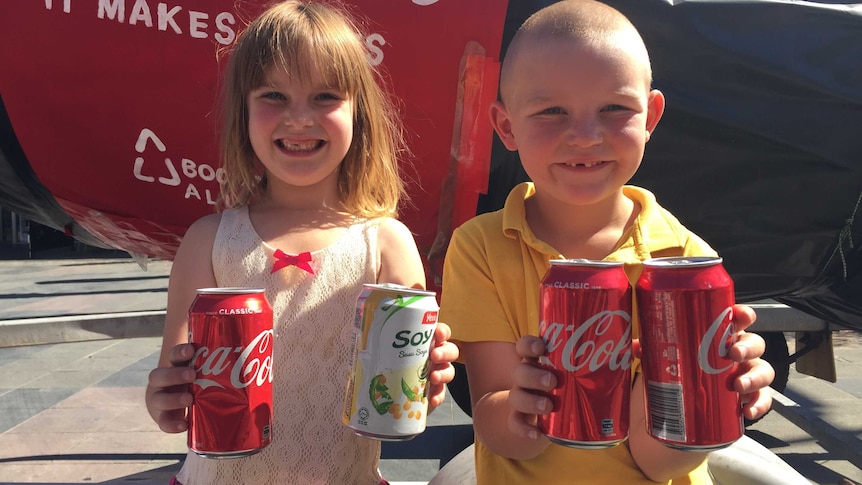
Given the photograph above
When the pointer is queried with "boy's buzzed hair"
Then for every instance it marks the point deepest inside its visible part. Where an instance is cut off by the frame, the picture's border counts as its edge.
(587, 21)
(582, 19)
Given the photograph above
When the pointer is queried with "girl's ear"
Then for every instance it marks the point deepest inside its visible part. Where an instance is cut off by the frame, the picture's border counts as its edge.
(502, 125)
(655, 108)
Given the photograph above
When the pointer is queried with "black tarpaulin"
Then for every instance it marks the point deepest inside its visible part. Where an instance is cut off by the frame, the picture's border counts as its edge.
(21, 191)
(760, 148)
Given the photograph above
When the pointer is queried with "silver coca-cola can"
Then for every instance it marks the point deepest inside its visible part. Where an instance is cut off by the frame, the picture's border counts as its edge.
(585, 309)
(231, 413)
(685, 306)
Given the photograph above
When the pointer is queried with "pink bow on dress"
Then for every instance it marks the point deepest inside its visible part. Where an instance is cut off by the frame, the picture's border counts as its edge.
(283, 259)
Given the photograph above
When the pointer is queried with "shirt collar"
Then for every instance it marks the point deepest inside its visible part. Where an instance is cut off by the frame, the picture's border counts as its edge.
(515, 219)
(653, 230)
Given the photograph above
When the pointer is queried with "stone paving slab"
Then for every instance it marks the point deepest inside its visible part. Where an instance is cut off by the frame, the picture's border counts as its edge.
(834, 403)
(46, 288)
(92, 426)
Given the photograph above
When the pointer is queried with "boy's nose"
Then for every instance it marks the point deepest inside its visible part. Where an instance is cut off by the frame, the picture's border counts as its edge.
(583, 132)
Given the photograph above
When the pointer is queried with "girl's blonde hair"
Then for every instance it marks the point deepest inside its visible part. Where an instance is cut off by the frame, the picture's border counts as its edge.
(300, 36)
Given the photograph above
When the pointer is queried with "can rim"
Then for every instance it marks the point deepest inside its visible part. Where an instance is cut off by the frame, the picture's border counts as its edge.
(229, 290)
(584, 262)
(399, 288)
(683, 261)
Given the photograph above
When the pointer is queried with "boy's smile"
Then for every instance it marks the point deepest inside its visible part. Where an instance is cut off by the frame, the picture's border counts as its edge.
(584, 165)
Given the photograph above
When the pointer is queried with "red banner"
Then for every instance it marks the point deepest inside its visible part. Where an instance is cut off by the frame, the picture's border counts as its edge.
(113, 103)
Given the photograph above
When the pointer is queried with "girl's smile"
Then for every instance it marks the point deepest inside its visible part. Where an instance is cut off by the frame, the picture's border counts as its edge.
(299, 147)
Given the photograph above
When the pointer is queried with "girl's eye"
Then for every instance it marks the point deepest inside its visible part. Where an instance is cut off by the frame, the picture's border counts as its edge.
(273, 95)
(329, 96)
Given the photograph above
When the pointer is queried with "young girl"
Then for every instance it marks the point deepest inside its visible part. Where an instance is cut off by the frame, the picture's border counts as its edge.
(309, 149)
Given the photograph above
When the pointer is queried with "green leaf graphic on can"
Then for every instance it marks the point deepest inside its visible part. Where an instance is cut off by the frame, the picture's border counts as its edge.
(411, 396)
(399, 302)
(378, 390)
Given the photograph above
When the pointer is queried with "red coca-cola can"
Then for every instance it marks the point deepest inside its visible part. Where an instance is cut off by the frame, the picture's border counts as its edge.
(686, 332)
(231, 329)
(585, 312)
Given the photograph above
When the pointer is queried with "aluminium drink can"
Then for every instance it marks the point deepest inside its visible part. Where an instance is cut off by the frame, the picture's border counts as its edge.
(231, 414)
(585, 309)
(686, 330)
(385, 395)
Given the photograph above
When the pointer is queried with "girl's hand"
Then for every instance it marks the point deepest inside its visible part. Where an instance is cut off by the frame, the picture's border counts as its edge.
(529, 382)
(170, 395)
(442, 354)
(755, 374)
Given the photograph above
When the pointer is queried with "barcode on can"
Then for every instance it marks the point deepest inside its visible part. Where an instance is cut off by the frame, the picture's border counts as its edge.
(667, 420)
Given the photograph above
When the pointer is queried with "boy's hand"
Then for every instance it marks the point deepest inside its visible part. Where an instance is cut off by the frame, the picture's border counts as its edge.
(529, 382)
(442, 354)
(755, 374)
(171, 395)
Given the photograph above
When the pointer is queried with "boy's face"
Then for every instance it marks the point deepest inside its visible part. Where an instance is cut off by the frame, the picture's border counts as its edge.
(578, 115)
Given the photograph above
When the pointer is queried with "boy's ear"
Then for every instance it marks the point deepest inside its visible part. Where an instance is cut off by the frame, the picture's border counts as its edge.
(502, 125)
(655, 108)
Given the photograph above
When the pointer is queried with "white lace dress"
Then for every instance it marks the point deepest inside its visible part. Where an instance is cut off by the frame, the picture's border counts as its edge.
(313, 336)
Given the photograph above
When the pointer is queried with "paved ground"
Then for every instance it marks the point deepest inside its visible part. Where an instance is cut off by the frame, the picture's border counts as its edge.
(73, 412)
(835, 407)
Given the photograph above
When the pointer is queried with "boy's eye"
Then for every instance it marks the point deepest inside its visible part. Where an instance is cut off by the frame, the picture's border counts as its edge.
(614, 107)
(556, 110)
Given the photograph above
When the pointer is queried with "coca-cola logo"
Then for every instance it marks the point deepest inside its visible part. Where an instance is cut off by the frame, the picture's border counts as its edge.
(579, 351)
(717, 344)
(252, 366)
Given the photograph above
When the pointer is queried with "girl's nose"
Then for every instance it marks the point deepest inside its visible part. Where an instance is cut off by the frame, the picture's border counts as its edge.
(584, 132)
(298, 117)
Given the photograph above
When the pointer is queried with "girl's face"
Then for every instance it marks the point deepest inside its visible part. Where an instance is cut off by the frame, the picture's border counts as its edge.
(300, 130)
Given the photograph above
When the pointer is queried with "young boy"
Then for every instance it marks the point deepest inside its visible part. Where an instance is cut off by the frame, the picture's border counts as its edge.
(576, 103)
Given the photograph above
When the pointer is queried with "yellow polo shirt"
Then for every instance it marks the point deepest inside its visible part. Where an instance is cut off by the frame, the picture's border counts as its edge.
(491, 277)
